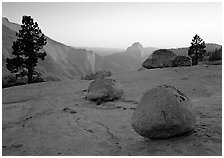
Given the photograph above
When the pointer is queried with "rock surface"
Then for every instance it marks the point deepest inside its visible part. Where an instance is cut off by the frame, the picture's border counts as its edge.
(104, 90)
(53, 119)
(163, 112)
(159, 59)
(182, 61)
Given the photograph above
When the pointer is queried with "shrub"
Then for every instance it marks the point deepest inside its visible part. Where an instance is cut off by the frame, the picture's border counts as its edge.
(17, 80)
(12, 80)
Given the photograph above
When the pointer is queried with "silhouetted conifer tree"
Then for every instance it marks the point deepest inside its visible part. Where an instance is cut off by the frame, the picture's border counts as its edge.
(197, 50)
(27, 49)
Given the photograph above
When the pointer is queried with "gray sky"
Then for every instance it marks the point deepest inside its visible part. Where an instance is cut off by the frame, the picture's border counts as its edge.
(118, 25)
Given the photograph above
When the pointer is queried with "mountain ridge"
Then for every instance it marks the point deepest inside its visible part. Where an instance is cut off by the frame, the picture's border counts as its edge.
(66, 62)
(69, 62)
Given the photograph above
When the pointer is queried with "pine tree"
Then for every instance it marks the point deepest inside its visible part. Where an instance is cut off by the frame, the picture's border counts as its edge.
(27, 49)
(197, 50)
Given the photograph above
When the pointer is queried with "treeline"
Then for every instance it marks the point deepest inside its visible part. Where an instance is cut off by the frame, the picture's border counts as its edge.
(215, 55)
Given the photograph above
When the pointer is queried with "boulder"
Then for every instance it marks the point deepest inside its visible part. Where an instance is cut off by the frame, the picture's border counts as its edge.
(104, 90)
(98, 75)
(159, 59)
(182, 61)
(163, 112)
(152, 63)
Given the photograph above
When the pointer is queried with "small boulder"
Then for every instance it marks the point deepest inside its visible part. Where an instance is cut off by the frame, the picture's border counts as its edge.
(98, 75)
(104, 90)
(159, 59)
(182, 61)
(163, 112)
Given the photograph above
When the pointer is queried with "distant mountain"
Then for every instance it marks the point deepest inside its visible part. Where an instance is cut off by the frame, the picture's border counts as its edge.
(64, 62)
(136, 49)
(122, 62)
(139, 51)
(103, 51)
(130, 60)
(13, 26)
(210, 47)
(61, 62)
(109, 51)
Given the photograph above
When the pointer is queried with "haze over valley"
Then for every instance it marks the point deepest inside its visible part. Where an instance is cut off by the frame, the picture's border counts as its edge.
(66, 62)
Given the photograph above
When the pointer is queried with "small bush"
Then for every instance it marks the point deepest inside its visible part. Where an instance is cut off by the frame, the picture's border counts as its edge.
(37, 79)
(12, 80)
(182, 61)
(16, 80)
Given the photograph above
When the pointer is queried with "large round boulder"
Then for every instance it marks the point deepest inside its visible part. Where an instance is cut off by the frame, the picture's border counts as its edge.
(163, 112)
(159, 59)
(182, 61)
(104, 90)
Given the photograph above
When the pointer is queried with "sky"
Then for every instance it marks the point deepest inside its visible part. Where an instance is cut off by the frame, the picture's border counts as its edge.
(118, 25)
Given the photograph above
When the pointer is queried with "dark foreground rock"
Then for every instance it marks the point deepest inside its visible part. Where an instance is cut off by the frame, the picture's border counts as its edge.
(104, 90)
(159, 59)
(163, 112)
(182, 61)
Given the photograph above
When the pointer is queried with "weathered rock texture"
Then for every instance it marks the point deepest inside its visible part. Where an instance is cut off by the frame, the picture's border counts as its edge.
(53, 119)
(182, 61)
(159, 59)
(163, 112)
(104, 90)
